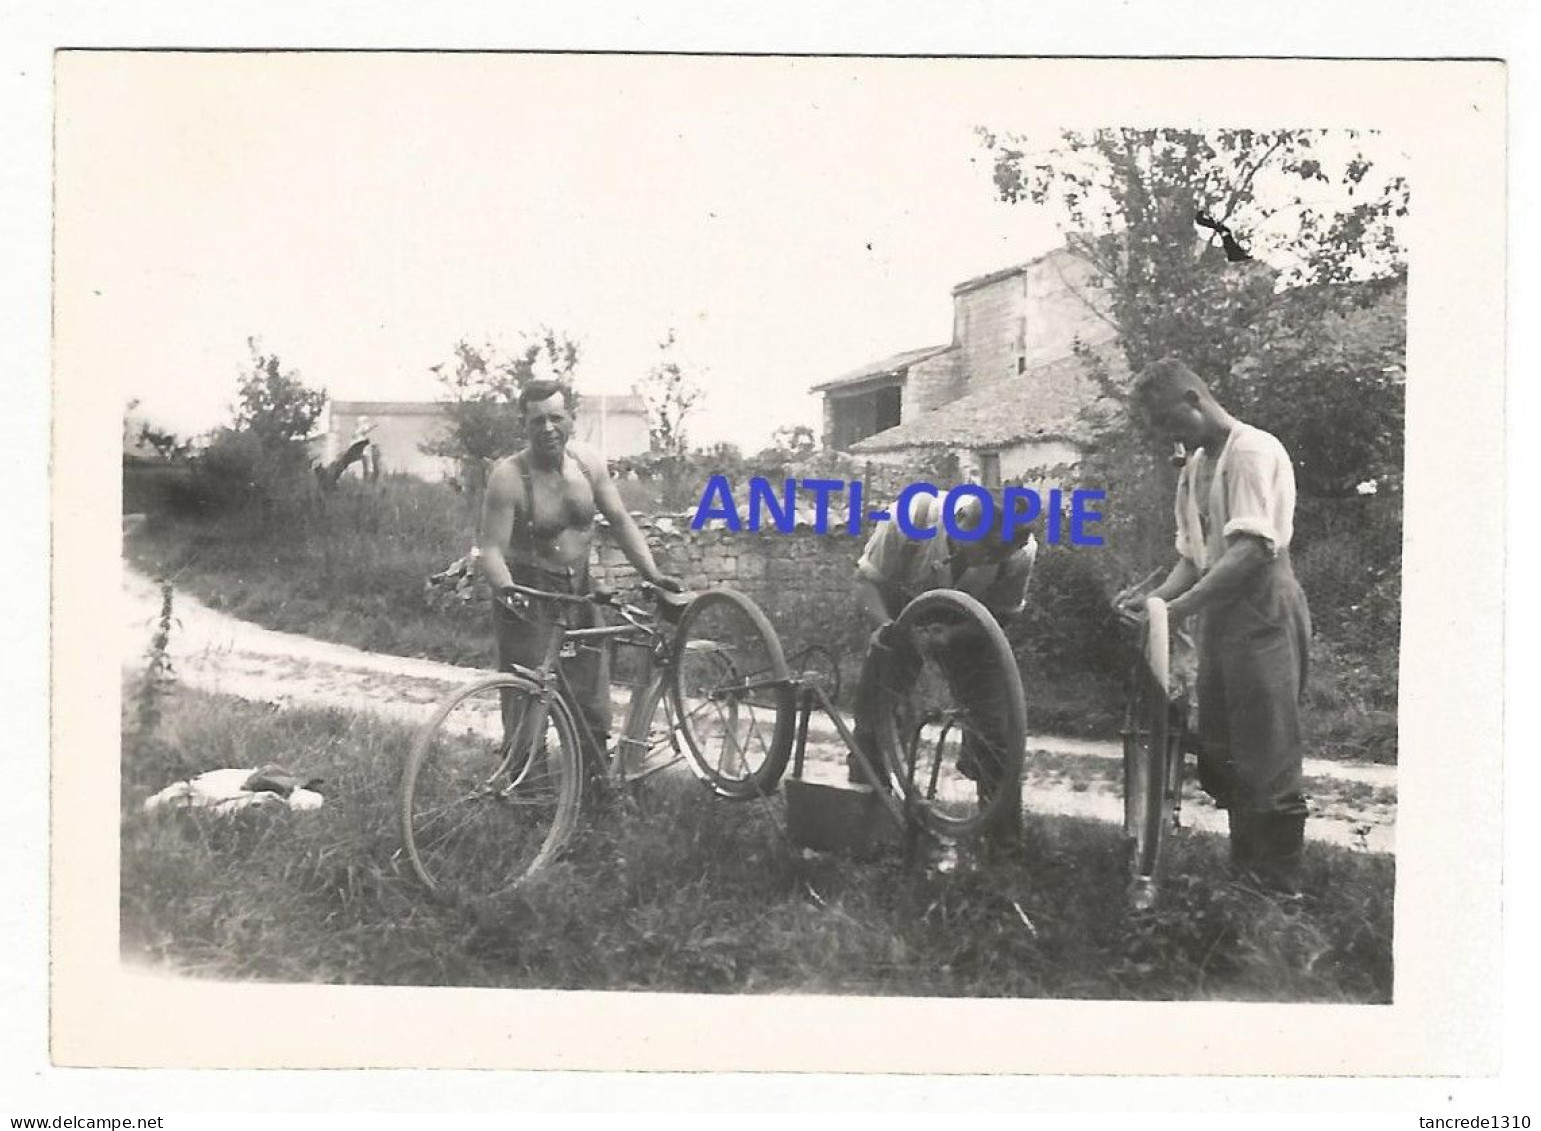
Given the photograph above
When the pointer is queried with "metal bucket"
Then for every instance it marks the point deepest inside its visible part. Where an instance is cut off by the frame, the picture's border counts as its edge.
(836, 818)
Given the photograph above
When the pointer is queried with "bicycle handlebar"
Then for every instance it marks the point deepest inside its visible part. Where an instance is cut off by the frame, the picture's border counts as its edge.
(599, 596)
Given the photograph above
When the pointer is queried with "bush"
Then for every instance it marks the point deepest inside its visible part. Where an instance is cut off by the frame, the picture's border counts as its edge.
(1068, 625)
(241, 468)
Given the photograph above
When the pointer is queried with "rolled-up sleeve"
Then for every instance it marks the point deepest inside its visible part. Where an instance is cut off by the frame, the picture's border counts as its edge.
(877, 560)
(1008, 596)
(1250, 495)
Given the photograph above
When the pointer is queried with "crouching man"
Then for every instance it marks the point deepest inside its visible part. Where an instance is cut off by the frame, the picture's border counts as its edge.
(893, 570)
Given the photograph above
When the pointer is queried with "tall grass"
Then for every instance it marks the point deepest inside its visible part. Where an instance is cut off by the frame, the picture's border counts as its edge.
(348, 567)
(684, 892)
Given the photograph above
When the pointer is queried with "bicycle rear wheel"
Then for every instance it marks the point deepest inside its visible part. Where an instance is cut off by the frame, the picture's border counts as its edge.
(490, 791)
(951, 709)
(732, 695)
(1148, 744)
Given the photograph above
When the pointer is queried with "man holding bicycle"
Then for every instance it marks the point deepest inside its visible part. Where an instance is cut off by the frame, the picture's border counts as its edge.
(537, 528)
(895, 569)
(1235, 516)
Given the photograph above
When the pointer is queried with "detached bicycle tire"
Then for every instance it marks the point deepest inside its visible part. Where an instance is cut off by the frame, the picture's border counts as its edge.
(1148, 742)
(939, 805)
(481, 811)
(732, 694)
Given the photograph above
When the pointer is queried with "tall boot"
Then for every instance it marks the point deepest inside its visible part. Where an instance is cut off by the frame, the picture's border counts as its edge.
(1280, 842)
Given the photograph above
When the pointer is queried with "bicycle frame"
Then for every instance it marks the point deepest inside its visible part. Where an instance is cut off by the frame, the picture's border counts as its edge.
(640, 631)
(811, 696)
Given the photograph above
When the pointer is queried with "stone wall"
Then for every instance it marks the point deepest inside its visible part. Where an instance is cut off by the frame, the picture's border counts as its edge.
(932, 383)
(990, 330)
(1056, 293)
(801, 580)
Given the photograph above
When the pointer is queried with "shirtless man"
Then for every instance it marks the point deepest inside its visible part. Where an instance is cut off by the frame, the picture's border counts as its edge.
(537, 527)
(1235, 516)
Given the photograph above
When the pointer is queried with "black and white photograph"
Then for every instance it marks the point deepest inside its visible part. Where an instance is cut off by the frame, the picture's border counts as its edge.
(816, 528)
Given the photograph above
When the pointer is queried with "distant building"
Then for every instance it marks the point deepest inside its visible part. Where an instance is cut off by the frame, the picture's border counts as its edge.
(616, 425)
(1004, 396)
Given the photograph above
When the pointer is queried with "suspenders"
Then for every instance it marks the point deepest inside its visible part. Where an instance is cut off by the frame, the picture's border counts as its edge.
(525, 522)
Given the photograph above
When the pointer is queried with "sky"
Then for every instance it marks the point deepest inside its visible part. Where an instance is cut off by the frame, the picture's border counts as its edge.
(789, 219)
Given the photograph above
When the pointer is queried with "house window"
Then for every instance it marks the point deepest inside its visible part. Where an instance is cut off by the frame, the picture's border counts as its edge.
(990, 470)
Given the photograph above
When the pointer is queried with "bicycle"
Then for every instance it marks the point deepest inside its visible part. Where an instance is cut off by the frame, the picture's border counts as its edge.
(1155, 742)
(950, 693)
(491, 791)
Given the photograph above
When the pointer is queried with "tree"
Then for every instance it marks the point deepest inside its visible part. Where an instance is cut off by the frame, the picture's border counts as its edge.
(482, 384)
(1154, 214)
(794, 441)
(670, 396)
(274, 405)
(166, 444)
(261, 458)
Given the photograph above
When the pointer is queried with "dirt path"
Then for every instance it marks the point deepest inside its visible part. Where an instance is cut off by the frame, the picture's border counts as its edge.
(1353, 804)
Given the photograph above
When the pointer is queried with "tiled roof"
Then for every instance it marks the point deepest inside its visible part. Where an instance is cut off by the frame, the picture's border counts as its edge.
(1048, 402)
(886, 367)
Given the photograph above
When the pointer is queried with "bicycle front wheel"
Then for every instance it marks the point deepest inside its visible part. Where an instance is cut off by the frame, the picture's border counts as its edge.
(1148, 747)
(952, 717)
(650, 741)
(732, 695)
(490, 792)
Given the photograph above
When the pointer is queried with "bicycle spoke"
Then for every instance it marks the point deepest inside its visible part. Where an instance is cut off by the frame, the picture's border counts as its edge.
(484, 811)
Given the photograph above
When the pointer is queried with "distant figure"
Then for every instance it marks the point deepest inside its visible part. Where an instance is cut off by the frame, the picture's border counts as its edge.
(362, 451)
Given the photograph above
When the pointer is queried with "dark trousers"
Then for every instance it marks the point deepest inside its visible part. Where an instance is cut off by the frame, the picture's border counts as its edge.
(522, 638)
(971, 678)
(1253, 659)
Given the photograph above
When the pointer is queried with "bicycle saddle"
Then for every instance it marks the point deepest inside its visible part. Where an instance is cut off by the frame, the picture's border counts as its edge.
(672, 605)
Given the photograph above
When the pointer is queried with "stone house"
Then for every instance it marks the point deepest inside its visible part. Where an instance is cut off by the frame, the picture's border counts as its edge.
(616, 425)
(1004, 397)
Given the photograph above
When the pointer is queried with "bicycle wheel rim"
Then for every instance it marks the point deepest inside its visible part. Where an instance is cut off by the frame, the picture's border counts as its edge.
(1147, 747)
(923, 721)
(482, 814)
(732, 695)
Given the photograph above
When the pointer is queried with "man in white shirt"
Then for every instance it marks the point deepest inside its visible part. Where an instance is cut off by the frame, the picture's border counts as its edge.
(895, 569)
(1235, 516)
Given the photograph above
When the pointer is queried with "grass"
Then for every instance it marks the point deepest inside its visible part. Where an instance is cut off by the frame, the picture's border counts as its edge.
(688, 893)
